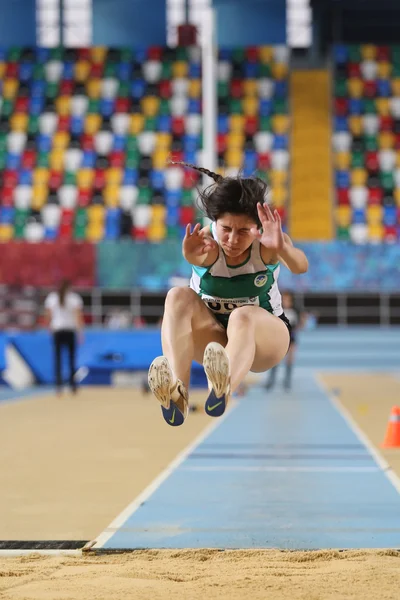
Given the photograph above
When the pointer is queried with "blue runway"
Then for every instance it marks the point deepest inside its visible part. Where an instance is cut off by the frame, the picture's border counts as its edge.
(281, 471)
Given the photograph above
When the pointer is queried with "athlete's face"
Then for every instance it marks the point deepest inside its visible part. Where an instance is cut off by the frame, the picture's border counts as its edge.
(234, 233)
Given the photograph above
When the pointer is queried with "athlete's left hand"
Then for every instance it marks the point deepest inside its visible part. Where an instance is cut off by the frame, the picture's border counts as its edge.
(271, 236)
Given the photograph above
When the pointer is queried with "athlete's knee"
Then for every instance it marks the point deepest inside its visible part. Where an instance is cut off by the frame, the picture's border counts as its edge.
(181, 300)
(241, 317)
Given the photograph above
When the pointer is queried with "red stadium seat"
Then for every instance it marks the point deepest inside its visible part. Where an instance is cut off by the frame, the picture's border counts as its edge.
(343, 196)
(375, 196)
(370, 89)
(165, 89)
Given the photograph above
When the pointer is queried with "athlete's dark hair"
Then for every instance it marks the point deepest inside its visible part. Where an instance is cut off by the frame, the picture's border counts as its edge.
(235, 195)
(62, 290)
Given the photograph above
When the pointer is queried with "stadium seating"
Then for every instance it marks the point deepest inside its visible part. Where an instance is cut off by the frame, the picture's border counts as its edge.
(366, 142)
(86, 134)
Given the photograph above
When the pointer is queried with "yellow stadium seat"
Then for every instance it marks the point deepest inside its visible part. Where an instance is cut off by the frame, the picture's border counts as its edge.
(233, 158)
(84, 178)
(358, 177)
(111, 196)
(95, 232)
(356, 87)
(150, 106)
(265, 53)
(19, 122)
(250, 87)
(397, 196)
(179, 69)
(98, 54)
(63, 105)
(39, 193)
(383, 106)
(163, 141)
(194, 88)
(355, 125)
(368, 51)
(57, 159)
(280, 70)
(114, 176)
(61, 140)
(2, 69)
(157, 232)
(137, 124)
(39, 200)
(384, 70)
(95, 214)
(236, 123)
(160, 159)
(40, 176)
(374, 214)
(93, 89)
(342, 160)
(82, 70)
(250, 106)
(280, 124)
(92, 123)
(279, 196)
(6, 233)
(10, 87)
(278, 178)
(158, 212)
(396, 86)
(343, 215)
(235, 140)
(386, 140)
(375, 233)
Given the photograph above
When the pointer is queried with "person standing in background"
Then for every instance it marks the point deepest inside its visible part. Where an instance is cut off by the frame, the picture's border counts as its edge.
(64, 317)
(296, 319)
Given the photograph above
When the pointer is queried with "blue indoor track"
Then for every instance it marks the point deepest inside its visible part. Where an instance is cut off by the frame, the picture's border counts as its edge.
(282, 470)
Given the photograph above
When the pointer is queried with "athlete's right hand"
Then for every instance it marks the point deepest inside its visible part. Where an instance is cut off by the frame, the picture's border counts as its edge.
(196, 243)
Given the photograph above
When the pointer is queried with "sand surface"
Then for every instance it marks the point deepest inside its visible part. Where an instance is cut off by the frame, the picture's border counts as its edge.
(205, 574)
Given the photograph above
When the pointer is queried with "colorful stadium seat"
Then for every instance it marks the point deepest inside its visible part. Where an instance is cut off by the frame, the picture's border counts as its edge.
(85, 143)
(366, 140)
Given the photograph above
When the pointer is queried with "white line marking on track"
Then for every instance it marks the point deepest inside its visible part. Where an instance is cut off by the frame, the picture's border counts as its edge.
(117, 523)
(283, 469)
(374, 452)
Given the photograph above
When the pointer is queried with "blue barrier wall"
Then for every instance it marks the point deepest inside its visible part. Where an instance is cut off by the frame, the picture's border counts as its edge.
(129, 23)
(18, 23)
(254, 22)
(105, 351)
(2, 352)
(102, 353)
(334, 266)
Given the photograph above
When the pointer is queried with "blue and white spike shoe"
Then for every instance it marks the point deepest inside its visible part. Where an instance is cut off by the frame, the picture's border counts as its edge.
(169, 391)
(216, 367)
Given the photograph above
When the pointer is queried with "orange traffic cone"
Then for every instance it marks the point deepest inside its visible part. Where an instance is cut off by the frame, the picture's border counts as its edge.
(392, 437)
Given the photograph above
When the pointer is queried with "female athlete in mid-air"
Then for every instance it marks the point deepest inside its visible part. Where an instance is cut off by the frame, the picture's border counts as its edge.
(230, 319)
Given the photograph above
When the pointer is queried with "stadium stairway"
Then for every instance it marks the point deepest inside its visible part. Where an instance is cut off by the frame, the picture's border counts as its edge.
(311, 203)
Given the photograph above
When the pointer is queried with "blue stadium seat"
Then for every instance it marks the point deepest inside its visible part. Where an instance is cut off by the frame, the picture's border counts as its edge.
(340, 53)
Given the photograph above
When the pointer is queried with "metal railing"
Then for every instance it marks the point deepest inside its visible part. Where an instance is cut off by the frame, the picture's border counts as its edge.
(329, 307)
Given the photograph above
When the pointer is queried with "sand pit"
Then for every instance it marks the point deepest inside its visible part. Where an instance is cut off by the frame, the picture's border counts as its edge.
(204, 574)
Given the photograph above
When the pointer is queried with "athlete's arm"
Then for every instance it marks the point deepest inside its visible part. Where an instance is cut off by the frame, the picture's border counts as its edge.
(198, 248)
(293, 258)
(276, 245)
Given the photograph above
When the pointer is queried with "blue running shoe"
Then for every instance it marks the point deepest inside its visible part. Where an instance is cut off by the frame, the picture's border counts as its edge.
(216, 367)
(169, 391)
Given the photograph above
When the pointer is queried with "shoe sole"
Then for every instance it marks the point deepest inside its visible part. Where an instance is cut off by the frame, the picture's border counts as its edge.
(216, 367)
(160, 379)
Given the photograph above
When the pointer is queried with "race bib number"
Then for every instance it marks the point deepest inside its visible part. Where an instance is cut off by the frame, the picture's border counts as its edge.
(224, 306)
